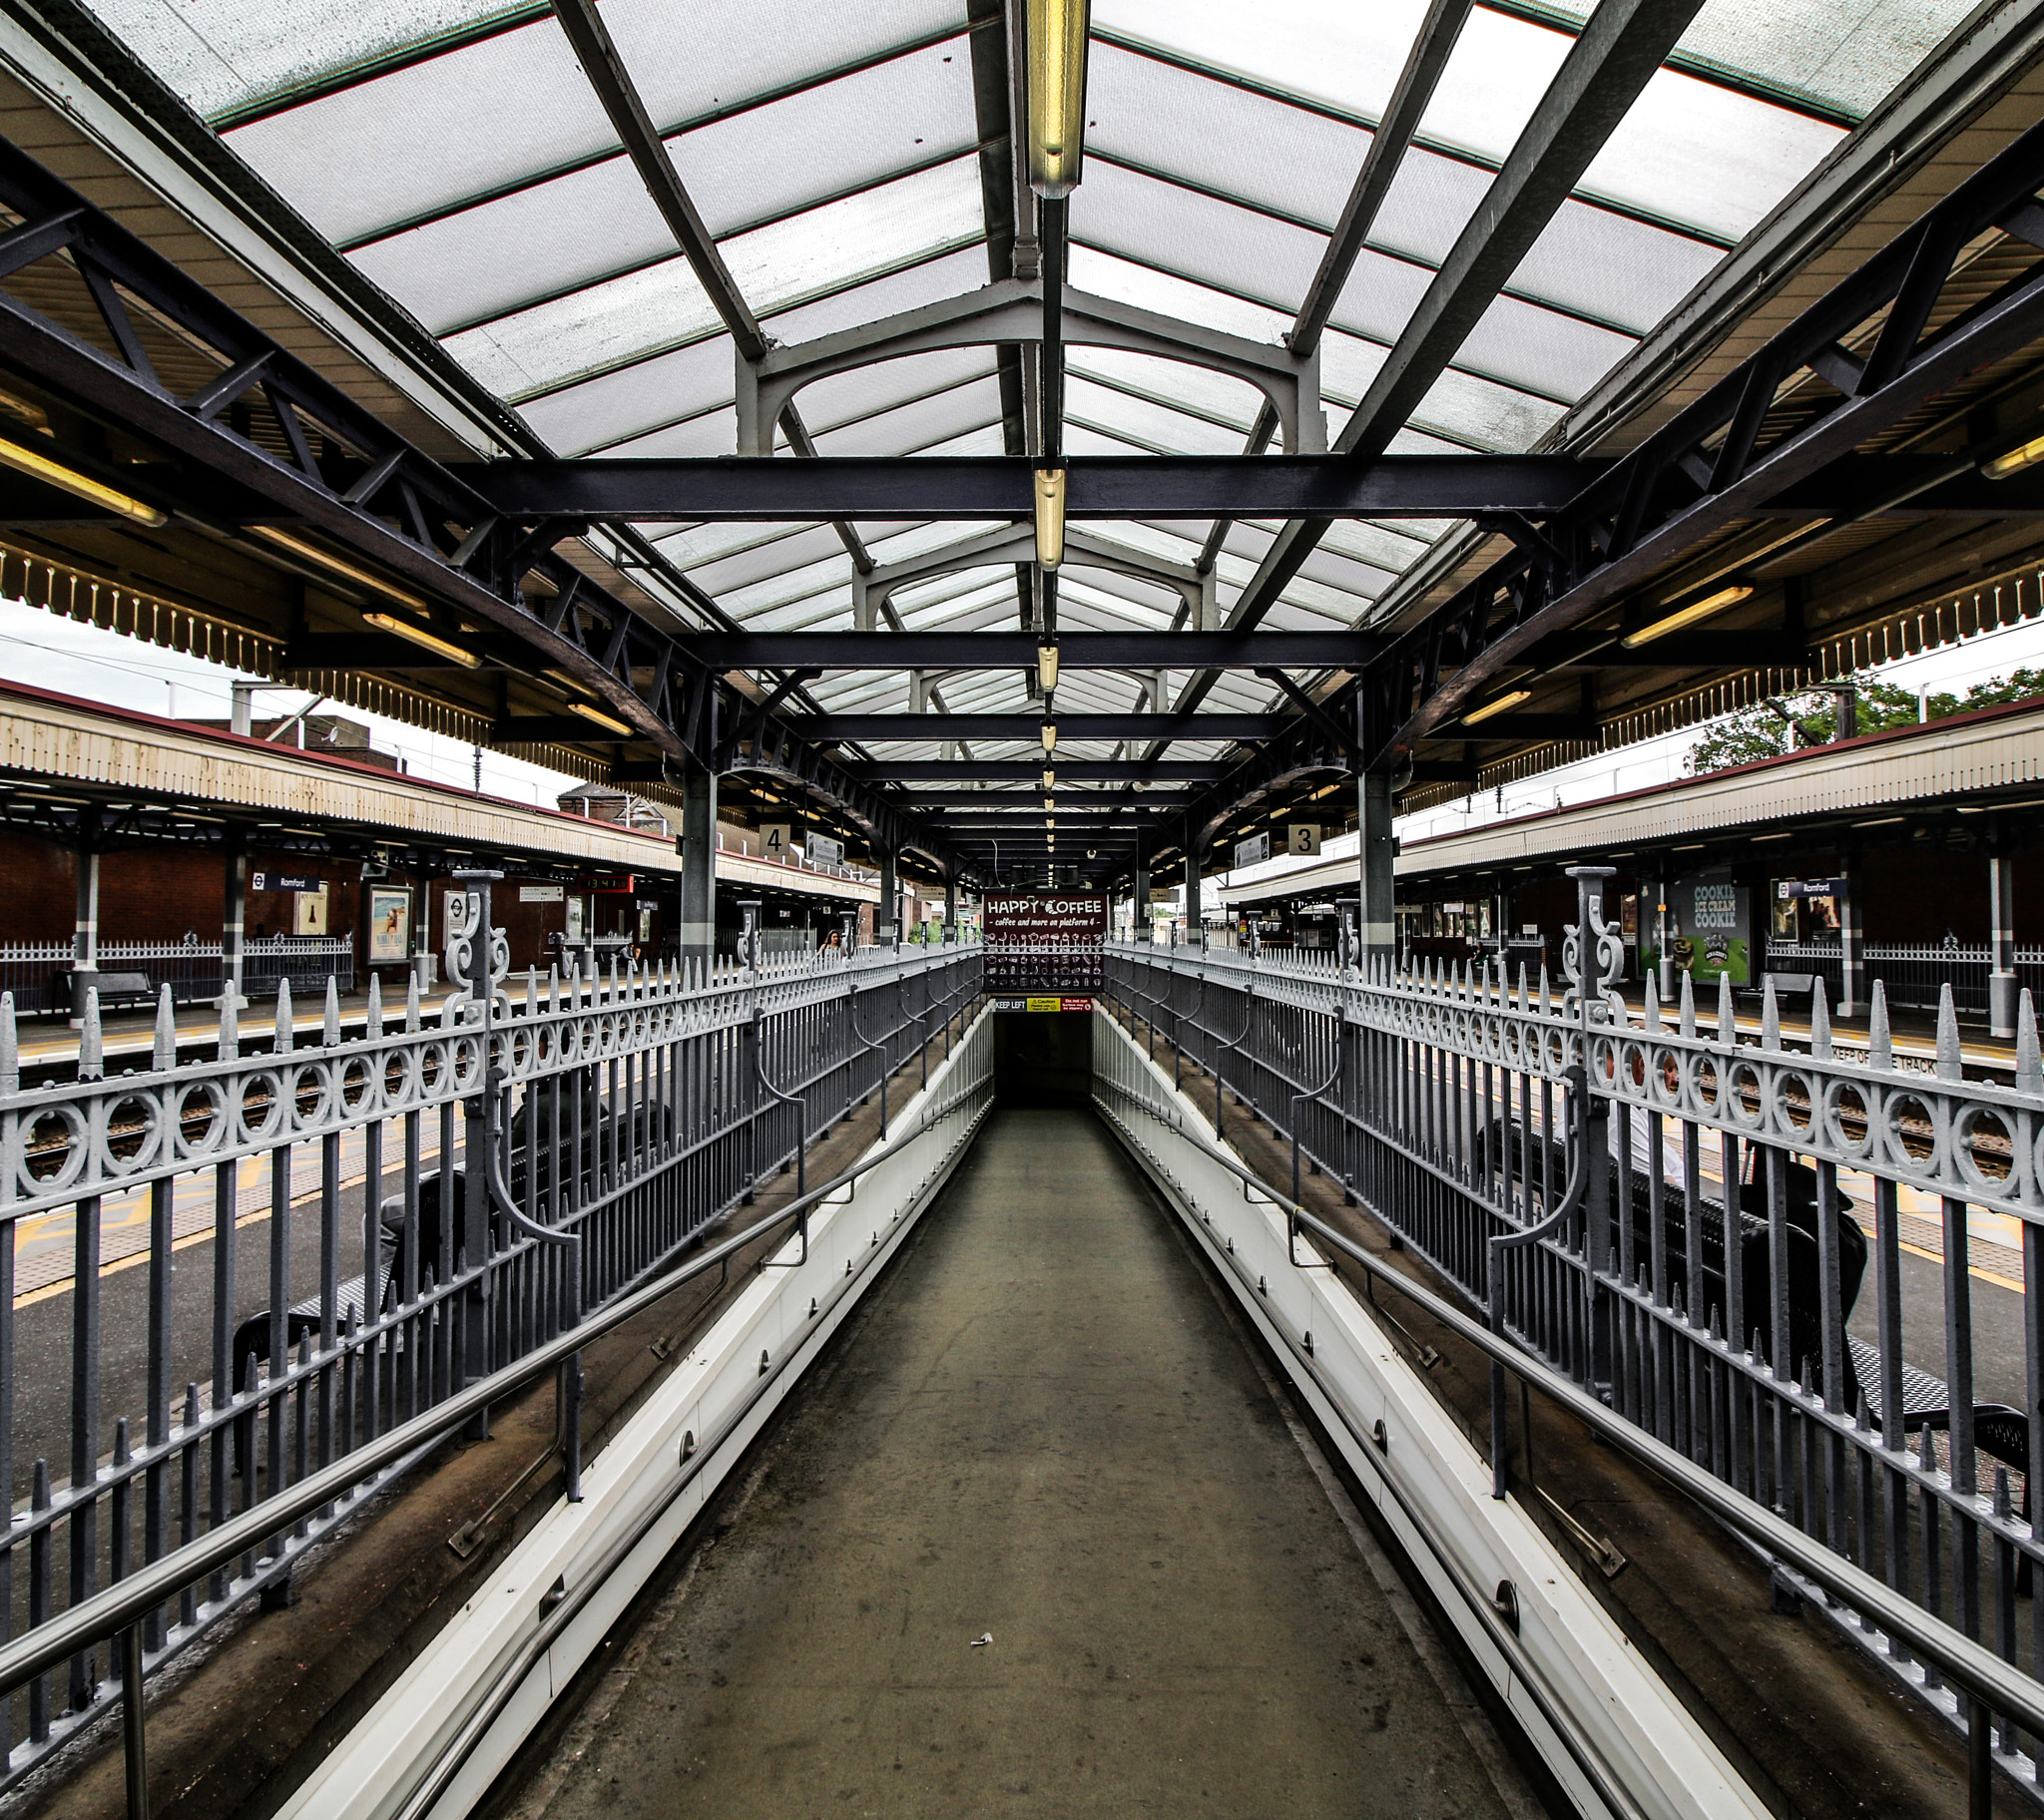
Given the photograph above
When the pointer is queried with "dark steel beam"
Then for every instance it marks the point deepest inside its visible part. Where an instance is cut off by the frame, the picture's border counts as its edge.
(1677, 650)
(1388, 143)
(721, 650)
(387, 508)
(1433, 45)
(1525, 727)
(1707, 467)
(571, 729)
(1621, 46)
(998, 487)
(861, 728)
(604, 72)
(1029, 770)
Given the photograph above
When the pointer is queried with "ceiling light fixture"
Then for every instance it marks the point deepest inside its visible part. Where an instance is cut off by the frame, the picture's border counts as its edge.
(335, 565)
(1882, 822)
(609, 722)
(98, 493)
(1511, 699)
(1047, 668)
(1050, 778)
(1686, 615)
(1050, 727)
(424, 639)
(1056, 36)
(2023, 455)
(1050, 517)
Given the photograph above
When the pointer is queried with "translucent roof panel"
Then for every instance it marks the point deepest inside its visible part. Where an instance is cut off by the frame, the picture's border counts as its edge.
(626, 318)
(226, 55)
(750, 167)
(455, 150)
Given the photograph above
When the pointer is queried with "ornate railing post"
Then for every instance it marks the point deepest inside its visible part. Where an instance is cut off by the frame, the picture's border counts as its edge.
(1593, 955)
(478, 958)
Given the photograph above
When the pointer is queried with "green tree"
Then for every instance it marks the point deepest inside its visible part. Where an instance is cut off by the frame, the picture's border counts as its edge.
(1783, 725)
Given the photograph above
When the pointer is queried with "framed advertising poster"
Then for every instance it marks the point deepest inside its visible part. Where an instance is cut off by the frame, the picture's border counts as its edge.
(390, 925)
(575, 918)
(1710, 932)
(1043, 943)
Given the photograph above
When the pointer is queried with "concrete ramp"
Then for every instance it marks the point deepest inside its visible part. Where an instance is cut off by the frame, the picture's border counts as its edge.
(1045, 1429)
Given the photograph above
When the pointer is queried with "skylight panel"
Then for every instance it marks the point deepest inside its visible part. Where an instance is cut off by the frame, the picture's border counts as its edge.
(918, 423)
(1694, 152)
(1180, 230)
(1200, 389)
(687, 60)
(846, 398)
(1842, 54)
(1344, 55)
(1140, 420)
(1128, 282)
(625, 318)
(670, 387)
(1165, 118)
(426, 137)
(222, 55)
(586, 224)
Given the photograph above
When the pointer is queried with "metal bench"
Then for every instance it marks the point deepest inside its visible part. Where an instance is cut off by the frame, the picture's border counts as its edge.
(112, 987)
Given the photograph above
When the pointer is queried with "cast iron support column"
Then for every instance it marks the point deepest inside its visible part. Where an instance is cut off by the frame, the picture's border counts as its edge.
(1141, 925)
(234, 919)
(950, 910)
(472, 1352)
(886, 928)
(1373, 825)
(1852, 987)
(698, 867)
(2001, 961)
(1662, 954)
(85, 939)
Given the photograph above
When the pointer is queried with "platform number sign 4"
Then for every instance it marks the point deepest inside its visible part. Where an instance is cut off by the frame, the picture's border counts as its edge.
(775, 841)
(1302, 838)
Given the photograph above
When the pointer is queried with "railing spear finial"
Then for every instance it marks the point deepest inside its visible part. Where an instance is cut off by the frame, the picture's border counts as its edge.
(164, 1052)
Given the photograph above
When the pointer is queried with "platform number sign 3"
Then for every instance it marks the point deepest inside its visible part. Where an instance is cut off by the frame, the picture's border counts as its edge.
(1302, 838)
(773, 839)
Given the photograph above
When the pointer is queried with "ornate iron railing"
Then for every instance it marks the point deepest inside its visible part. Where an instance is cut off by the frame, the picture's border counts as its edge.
(1864, 1366)
(34, 972)
(327, 1238)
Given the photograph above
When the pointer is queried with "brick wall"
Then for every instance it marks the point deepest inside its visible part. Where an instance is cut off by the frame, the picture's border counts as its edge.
(37, 890)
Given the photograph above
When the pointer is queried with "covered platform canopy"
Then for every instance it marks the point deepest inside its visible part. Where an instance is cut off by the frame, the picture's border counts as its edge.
(1191, 404)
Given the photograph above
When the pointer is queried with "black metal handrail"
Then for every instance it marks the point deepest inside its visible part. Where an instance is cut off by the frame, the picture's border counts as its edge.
(1993, 1685)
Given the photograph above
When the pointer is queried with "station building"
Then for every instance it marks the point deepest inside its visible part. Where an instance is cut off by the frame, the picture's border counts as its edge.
(1914, 856)
(131, 844)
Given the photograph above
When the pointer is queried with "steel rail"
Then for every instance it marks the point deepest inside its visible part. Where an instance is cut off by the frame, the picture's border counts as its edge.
(1985, 1677)
(128, 1602)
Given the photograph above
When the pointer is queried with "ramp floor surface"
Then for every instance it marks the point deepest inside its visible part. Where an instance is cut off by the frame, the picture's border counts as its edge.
(1040, 1539)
